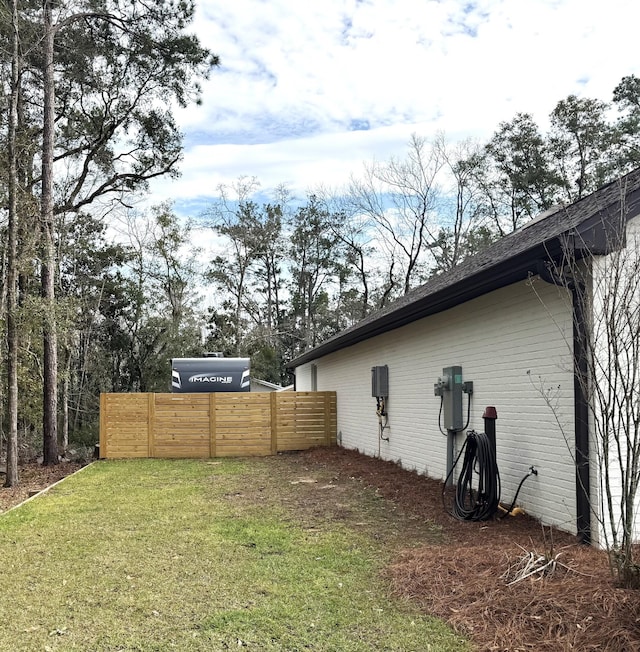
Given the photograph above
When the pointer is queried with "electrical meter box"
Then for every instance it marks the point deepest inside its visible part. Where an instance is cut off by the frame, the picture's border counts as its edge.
(380, 381)
(450, 385)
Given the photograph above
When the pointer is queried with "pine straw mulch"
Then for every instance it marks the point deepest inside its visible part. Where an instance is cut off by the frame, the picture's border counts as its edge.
(577, 607)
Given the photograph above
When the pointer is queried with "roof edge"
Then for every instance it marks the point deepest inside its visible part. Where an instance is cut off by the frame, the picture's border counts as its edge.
(541, 239)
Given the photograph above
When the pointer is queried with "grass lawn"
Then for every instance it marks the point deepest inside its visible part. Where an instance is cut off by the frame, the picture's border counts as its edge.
(208, 555)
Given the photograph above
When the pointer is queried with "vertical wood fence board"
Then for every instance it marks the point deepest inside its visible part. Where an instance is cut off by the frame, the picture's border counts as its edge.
(274, 422)
(334, 419)
(212, 425)
(152, 432)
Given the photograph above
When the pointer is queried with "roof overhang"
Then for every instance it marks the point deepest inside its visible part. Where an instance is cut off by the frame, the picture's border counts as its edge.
(485, 281)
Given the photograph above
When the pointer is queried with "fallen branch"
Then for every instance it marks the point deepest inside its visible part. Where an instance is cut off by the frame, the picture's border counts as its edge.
(532, 564)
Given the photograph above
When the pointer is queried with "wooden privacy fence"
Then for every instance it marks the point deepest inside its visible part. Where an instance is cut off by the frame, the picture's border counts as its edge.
(215, 425)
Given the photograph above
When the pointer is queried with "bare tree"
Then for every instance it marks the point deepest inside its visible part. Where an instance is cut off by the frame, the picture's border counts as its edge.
(614, 366)
(606, 286)
(400, 197)
(464, 227)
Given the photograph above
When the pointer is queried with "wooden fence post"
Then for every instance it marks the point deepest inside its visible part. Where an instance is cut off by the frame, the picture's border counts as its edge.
(212, 425)
(103, 425)
(274, 422)
(151, 418)
(327, 418)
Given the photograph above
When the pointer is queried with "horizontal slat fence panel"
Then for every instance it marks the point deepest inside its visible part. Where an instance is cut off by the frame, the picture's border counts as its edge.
(181, 425)
(243, 424)
(125, 433)
(215, 425)
(305, 417)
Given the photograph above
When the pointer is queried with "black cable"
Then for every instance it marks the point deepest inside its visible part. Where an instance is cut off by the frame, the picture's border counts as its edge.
(381, 431)
(446, 434)
(532, 471)
(476, 503)
(381, 412)
(466, 425)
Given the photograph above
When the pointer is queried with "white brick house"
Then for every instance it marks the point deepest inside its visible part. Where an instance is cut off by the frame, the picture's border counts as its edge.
(513, 334)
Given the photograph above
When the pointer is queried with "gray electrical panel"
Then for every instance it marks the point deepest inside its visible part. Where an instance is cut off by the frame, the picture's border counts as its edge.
(380, 381)
(450, 385)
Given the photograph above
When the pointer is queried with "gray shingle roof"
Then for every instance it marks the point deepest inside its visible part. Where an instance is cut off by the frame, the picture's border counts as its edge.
(506, 261)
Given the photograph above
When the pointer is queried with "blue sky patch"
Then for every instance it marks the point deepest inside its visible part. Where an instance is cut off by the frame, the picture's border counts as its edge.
(359, 124)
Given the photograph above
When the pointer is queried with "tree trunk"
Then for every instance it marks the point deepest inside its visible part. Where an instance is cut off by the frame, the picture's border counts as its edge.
(12, 263)
(64, 443)
(50, 335)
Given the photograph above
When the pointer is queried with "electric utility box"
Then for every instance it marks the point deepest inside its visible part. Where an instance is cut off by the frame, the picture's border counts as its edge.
(449, 387)
(380, 381)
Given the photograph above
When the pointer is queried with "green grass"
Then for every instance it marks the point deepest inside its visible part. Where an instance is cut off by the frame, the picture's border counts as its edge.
(196, 555)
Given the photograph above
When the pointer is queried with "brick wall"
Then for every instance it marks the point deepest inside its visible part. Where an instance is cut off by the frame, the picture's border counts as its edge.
(510, 343)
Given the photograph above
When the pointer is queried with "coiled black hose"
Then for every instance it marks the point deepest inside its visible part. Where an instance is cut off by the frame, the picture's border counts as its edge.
(481, 503)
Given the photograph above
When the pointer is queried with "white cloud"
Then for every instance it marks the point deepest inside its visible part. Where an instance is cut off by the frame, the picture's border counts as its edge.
(298, 77)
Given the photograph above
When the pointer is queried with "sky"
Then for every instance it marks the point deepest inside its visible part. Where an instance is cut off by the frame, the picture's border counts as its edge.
(310, 90)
